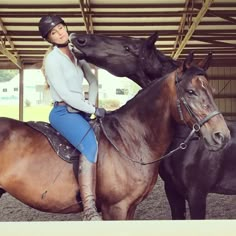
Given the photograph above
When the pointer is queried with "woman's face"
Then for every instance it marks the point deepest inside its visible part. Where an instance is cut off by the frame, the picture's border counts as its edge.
(58, 34)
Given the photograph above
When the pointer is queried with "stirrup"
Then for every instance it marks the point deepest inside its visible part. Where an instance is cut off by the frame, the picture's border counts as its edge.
(91, 214)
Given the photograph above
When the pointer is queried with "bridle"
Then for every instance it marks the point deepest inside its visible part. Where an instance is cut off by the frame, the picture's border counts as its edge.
(195, 128)
(199, 123)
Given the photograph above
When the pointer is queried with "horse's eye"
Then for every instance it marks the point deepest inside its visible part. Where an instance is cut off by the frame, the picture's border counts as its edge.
(127, 48)
(191, 92)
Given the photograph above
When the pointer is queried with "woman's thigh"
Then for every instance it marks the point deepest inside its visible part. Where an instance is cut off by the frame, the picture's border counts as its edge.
(76, 130)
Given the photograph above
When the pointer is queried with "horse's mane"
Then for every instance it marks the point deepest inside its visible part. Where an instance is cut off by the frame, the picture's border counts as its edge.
(143, 92)
(188, 73)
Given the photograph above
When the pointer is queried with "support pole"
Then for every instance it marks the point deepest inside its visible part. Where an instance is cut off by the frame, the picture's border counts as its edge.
(21, 94)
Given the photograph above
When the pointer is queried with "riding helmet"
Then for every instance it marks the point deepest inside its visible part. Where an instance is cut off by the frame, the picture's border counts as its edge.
(47, 23)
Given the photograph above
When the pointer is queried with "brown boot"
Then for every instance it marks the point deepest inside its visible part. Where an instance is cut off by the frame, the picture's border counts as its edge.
(87, 183)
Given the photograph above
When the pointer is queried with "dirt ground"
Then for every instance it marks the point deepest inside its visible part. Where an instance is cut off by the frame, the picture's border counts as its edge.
(155, 207)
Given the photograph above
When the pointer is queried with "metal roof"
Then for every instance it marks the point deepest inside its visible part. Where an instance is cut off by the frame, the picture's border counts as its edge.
(183, 26)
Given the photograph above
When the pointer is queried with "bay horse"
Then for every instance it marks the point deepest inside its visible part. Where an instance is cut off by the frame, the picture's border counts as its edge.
(180, 170)
(132, 139)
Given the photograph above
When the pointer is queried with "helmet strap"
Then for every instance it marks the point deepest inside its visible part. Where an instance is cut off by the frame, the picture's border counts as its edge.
(63, 45)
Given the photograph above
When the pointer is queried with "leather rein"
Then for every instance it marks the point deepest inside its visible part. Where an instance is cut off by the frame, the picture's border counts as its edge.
(183, 145)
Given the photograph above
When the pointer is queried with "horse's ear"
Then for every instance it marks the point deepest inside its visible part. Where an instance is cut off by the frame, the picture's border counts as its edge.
(205, 62)
(188, 61)
(152, 39)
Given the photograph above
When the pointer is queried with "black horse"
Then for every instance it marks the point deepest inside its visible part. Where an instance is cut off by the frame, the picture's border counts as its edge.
(135, 58)
(192, 173)
(188, 174)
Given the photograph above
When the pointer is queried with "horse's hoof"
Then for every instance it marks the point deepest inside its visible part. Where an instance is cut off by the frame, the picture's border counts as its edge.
(91, 215)
(92, 218)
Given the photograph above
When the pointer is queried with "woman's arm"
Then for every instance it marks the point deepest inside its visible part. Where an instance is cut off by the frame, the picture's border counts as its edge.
(92, 80)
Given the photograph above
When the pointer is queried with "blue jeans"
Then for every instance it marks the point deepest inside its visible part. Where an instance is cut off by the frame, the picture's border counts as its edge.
(76, 129)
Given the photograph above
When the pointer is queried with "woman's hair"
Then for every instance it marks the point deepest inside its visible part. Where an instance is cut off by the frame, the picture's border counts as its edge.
(43, 66)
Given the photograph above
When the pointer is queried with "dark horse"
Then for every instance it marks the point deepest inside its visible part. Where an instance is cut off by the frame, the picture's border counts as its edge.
(192, 173)
(179, 171)
(131, 141)
(121, 56)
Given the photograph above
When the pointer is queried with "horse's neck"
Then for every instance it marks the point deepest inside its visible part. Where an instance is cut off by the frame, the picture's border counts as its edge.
(143, 126)
(141, 79)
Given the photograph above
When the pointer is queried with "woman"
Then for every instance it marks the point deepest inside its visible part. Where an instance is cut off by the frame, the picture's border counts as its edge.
(65, 75)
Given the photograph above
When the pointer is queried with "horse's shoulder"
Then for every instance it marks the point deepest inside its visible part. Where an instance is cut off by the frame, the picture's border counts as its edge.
(111, 125)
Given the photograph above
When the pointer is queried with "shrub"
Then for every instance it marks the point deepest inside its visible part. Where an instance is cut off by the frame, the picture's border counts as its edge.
(109, 104)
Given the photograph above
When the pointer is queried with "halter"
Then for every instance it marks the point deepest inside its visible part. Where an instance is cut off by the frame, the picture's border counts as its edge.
(196, 127)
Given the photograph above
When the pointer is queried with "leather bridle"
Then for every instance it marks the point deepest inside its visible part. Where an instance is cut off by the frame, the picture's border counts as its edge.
(195, 128)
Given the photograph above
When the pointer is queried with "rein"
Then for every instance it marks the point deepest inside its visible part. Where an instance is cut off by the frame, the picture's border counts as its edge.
(196, 128)
(182, 146)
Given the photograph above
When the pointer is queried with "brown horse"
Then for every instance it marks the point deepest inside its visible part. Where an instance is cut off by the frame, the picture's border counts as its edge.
(131, 141)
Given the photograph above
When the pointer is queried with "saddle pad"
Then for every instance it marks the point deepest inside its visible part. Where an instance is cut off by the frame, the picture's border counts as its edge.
(62, 147)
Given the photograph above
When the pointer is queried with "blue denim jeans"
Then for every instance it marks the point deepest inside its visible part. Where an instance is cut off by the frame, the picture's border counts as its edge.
(76, 129)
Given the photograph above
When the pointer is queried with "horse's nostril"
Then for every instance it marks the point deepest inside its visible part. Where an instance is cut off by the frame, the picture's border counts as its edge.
(81, 42)
(218, 137)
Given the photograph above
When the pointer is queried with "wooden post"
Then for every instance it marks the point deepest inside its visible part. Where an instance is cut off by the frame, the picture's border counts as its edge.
(21, 93)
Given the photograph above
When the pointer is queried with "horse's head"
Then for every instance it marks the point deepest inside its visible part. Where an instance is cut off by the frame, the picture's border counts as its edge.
(135, 58)
(196, 106)
(118, 55)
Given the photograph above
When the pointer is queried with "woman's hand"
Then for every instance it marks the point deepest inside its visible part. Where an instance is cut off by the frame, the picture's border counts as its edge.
(100, 112)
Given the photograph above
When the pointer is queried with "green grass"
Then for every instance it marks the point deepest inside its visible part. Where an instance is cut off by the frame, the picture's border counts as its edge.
(36, 113)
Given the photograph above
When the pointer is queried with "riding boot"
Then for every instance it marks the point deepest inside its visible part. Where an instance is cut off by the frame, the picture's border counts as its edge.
(87, 183)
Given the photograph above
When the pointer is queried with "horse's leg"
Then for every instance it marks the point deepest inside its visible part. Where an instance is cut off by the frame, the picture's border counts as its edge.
(176, 201)
(131, 212)
(114, 212)
(197, 204)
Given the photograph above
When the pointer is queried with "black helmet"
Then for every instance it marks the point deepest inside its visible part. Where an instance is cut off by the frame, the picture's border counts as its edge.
(46, 23)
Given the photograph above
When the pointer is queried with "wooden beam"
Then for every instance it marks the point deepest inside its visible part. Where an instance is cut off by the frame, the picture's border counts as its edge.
(193, 27)
(110, 5)
(223, 96)
(141, 23)
(10, 56)
(14, 58)
(213, 41)
(229, 113)
(130, 32)
(183, 22)
(68, 6)
(223, 77)
(73, 14)
(7, 66)
(37, 65)
(229, 19)
(86, 14)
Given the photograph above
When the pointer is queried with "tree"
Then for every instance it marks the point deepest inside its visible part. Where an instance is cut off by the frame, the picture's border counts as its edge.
(6, 75)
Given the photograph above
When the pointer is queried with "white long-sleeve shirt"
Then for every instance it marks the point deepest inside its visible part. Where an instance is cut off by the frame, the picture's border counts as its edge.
(65, 79)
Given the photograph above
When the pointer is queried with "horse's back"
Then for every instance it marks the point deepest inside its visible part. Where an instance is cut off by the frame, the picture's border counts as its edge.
(32, 172)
